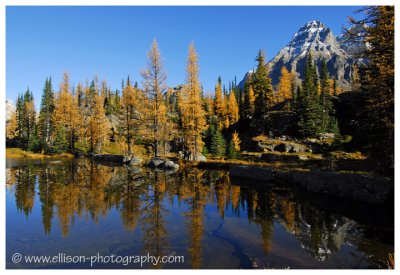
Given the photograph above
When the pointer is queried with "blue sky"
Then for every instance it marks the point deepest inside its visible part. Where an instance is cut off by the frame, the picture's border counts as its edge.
(112, 42)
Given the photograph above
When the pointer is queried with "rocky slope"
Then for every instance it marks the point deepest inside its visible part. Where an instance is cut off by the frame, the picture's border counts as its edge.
(318, 39)
(10, 109)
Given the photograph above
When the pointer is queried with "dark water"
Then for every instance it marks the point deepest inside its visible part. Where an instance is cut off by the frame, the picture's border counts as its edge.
(214, 221)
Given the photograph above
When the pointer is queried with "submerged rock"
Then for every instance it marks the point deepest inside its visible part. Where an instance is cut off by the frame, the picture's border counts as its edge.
(157, 163)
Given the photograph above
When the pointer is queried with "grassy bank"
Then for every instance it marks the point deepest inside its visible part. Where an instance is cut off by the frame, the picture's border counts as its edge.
(19, 153)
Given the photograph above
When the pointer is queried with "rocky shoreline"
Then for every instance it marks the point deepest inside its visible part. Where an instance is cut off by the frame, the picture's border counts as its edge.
(357, 187)
(375, 190)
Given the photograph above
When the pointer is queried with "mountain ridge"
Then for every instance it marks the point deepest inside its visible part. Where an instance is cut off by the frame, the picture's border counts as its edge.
(319, 40)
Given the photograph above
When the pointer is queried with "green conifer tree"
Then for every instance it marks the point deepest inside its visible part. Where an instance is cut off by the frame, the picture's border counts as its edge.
(309, 110)
(263, 93)
(46, 124)
(218, 144)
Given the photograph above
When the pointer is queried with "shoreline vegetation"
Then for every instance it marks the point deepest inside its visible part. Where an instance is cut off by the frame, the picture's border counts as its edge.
(19, 153)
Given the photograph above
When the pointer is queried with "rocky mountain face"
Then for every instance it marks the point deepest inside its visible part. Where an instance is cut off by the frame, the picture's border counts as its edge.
(352, 41)
(316, 38)
(10, 110)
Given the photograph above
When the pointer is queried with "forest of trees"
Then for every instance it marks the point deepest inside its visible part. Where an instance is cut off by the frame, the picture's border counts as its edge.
(186, 121)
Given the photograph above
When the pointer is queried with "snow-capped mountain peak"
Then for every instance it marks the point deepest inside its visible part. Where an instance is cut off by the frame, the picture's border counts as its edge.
(315, 38)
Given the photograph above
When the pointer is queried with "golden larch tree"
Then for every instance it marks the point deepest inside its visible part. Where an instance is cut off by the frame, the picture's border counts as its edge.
(285, 85)
(154, 79)
(11, 126)
(130, 113)
(98, 125)
(236, 141)
(66, 111)
(233, 108)
(191, 108)
(219, 104)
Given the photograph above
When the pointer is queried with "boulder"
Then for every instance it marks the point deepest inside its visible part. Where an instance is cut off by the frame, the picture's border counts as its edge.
(298, 148)
(154, 162)
(324, 136)
(168, 165)
(200, 157)
(265, 147)
(157, 163)
(135, 169)
(135, 161)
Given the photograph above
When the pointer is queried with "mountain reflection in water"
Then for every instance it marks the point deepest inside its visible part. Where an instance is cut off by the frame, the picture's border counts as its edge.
(201, 214)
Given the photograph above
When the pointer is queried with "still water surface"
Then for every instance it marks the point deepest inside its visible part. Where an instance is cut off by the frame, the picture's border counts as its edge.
(82, 208)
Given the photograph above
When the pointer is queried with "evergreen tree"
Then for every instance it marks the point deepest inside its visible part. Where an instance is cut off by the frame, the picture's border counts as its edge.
(218, 144)
(19, 113)
(46, 124)
(261, 80)
(60, 142)
(309, 112)
(263, 93)
(375, 110)
(329, 123)
(28, 121)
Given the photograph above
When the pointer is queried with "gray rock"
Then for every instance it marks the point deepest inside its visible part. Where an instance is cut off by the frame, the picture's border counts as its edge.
(298, 148)
(265, 147)
(159, 164)
(154, 162)
(324, 136)
(135, 169)
(200, 157)
(168, 165)
(135, 161)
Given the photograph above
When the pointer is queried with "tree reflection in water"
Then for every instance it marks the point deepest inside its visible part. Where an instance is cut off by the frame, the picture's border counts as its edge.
(83, 189)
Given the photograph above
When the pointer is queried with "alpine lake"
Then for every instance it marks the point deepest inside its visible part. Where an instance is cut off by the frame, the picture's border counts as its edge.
(80, 207)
